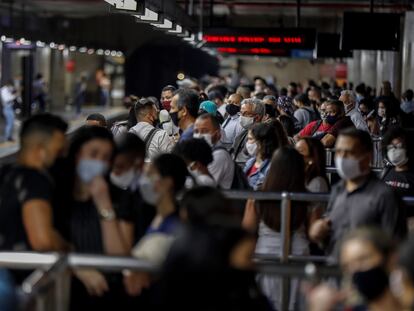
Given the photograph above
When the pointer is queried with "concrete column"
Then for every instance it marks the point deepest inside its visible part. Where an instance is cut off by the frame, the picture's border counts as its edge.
(369, 67)
(408, 52)
(57, 81)
(354, 68)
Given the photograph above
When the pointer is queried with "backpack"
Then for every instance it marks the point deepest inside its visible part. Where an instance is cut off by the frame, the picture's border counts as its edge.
(239, 178)
(149, 138)
(119, 128)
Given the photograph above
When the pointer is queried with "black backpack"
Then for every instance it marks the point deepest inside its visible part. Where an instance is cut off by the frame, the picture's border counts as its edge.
(239, 178)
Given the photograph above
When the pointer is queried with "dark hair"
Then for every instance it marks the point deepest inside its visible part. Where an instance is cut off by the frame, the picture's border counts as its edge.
(398, 132)
(97, 117)
(280, 132)
(215, 94)
(302, 98)
(408, 95)
(207, 206)
(213, 120)
(42, 124)
(339, 105)
(155, 101)
(143, 105)
(189, 99)
(318, 155)
(367, 102)
(39, 76)
(392, 110)
(194, 149)
(378, 238)
(129, 143)
(283, 91)
(171, 165)
(260, 95)
(84, 135)
(270, 111)
(363, 137)
(286, 173)
(169, 88)
(360, 88)
(288, 125)
(264, 134)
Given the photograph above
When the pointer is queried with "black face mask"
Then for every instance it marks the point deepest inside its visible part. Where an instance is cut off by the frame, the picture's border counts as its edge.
(371, 283)
(174, 117)
(232, 109)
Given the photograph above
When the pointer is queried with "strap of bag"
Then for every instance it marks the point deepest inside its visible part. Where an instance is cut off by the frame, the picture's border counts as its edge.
(149, 138)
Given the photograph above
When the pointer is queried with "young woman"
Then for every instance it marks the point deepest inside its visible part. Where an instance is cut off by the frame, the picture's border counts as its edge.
(399, 152)
(388, 116)
(261, 143)
(286, 173)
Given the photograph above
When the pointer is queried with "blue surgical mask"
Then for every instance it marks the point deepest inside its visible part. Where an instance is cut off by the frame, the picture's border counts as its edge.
(88, 169)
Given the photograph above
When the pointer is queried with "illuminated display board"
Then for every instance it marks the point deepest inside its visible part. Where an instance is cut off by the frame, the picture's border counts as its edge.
(265, 39)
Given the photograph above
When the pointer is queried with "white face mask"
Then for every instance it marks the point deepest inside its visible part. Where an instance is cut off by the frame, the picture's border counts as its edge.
(348, 168)
(146, 187)
(246, 122)
(381, 112)
(207, 137)
(123, 181)
(397, 156)
(251, 148)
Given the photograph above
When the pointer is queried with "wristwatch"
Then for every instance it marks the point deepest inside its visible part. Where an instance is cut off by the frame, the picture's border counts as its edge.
(107, 214)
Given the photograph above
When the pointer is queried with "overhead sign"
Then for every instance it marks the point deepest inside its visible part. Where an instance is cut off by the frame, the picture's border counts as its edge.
(128, 5)
(285, 38)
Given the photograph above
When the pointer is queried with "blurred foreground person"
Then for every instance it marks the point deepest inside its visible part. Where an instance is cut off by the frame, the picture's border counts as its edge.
(366, 259)
(209, 266)
(96, 119)
(26, 188)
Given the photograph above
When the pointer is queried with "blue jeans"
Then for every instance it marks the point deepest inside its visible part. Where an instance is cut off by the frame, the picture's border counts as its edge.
(8, 113)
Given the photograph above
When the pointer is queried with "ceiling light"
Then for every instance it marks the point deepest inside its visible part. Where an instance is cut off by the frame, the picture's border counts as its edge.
(149, 16)
(178, 29)
(167, 24)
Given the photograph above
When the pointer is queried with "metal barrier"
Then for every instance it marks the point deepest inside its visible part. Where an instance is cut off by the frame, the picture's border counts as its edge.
(50, 268)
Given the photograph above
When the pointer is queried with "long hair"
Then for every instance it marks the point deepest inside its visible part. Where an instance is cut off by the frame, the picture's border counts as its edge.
(265, 135)
(286, 173)
(318, 155)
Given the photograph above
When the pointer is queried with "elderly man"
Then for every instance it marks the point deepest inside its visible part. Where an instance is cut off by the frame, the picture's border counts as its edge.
(252, 111)
(349, 99)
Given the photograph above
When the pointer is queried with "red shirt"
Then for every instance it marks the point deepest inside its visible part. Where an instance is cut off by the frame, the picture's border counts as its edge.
(252, 170)
(308, 129)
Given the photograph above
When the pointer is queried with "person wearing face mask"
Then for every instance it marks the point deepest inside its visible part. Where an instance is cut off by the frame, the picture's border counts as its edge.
(388, 116)
(360, 198)
(335, 116)
(135, 215)
(160, 185)
(349, 99)
(93, 220)
(397, 150)
(304, 114)
(197, 154)
(231, 125)
(402, 277)
(27, 212)
(167, 94)
(366, 260)
(407, 102)
(157, 141)
(222, 168)
(184, 110)
(261, 143)
(252, 111)
(316, 129)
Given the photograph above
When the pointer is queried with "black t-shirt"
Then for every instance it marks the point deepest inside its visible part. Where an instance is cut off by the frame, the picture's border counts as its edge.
(19, 185)
(401, 182)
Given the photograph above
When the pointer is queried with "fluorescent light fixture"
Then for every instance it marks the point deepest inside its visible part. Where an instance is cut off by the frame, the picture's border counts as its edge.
(40, 44)
(130, 5)
(53, 45)
(150, 16)
(100, 52)
(73, 48)
(107, 52)
(3, 38)
(91, 51)
(167, 24)
(83, 49)
(113, 53)
(178, 29)
(191, 38)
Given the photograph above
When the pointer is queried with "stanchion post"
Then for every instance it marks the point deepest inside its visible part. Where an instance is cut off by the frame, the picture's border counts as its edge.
(285, 249)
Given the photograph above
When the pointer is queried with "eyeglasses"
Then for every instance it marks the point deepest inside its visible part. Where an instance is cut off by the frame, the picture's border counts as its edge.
(396, 146)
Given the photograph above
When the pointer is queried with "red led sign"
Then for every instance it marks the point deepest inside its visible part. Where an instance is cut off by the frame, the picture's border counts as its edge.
(253, 51)
(273, 38)
(253, 39)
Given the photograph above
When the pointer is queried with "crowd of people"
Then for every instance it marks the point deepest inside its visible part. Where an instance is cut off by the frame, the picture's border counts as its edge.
(152, 187)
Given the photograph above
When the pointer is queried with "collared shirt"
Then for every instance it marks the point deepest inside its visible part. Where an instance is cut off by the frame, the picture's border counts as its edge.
(188, 133)
(240, 154)
(371, 204)
(257, 178)
(160, 143)
(232, 128)
(357, 119)
(222, 167)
